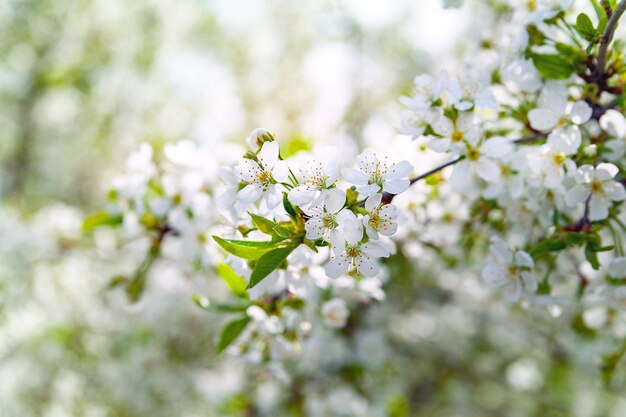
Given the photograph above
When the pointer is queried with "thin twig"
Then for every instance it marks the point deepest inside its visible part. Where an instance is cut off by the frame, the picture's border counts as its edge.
(607, 36)
(387, 197)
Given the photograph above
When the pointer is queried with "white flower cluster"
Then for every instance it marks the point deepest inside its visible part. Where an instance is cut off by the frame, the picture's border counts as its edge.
(535, 140)
(351, 224)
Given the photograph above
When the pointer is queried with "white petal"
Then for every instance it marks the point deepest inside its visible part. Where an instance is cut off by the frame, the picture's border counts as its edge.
(400, 170)
(488, 169)
(395, 186)
(367, 162)
(374, 250)
(302, 195)
(268, 155)
(280, 172)
(373, 201)
(501, 252)
(314, 228)
(461, 177)
(439, 145)
(524, 259)
(388, 229)
(530, 282)
(248, 170)
(366, 266)
(335, 199)
(497, 147)
(576, 195)
(337, 266)
(354, 176)
(614, 123)
(542, 119)
(598, 208)
(494, 275)
(565, 139)
(249, 193)
(368, 190)
(580, 112)
(273, 196)
(614, 191)
(353, 232)
(605, 171)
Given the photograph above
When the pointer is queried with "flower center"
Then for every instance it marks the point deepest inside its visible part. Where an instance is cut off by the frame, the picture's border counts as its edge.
(505, 170)
(264, 177)
(457, 136)
(353, 251)
(375, 220)
(377, 175)
(329, 221)
(559, 159)
(513, 270)
(596, 187)
(473, 154)
(532, 5)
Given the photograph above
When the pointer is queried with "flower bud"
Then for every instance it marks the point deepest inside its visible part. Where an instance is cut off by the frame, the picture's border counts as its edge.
(257, 137)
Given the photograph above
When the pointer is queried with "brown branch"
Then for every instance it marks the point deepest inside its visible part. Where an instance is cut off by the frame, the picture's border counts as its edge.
(607, 37)
(388, 197)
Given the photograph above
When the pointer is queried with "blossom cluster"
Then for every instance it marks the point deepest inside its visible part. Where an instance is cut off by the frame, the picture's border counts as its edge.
(532, 139)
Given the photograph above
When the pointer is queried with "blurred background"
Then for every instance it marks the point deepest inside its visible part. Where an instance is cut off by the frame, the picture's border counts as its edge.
(84, 82)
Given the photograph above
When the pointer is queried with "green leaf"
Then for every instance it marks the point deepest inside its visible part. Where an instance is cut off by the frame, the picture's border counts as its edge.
(231, 332)
(268, 263)
(592, 256)
(288, 206)
(205, 304)
(264, 225)
(246, 249)
(585, 28)
(236, 283)
(601, 13)
(102, 218)
(270, 227)
(553, 66)
(282, 231)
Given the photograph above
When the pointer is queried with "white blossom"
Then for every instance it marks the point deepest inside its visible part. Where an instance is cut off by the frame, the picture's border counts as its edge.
(375, 176)
(597, 185)
(335, 313)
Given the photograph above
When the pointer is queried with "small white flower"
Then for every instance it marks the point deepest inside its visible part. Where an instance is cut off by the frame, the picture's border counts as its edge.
(445, 91)
(261, 176)
(454, 135)
(508, 270)
(548, 163)
(359, 256)
(375, 176)
(331, 222)
(617, 267)
(480, 162)
(381, 218)
(598, 185)
(264, 323)
(522, 74)
(335, 313)
(315, 176)
(554, 108)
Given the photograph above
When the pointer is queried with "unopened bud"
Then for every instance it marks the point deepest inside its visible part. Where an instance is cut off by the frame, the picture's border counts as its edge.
(591, 150)
(257, 137)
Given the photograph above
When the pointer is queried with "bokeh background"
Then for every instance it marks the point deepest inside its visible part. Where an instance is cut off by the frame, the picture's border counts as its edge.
(84, 82)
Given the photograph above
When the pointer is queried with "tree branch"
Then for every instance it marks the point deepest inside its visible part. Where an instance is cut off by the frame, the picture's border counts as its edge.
(607, 36)
(387, 197)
